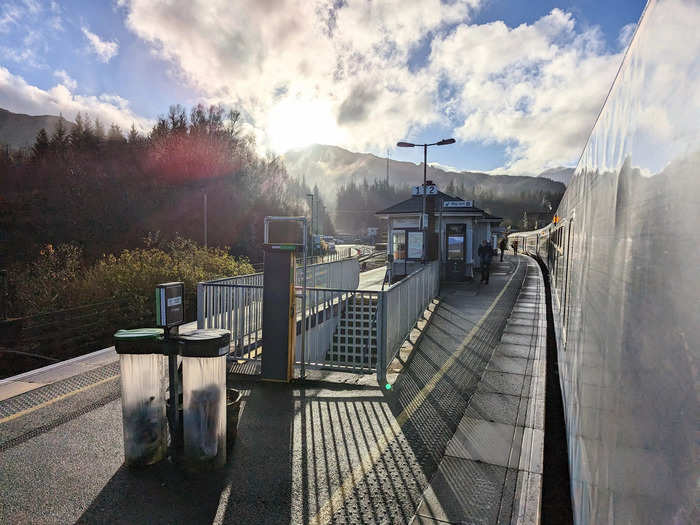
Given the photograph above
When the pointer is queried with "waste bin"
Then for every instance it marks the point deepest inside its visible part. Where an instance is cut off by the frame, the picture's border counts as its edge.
(143, 374)
(203, 354)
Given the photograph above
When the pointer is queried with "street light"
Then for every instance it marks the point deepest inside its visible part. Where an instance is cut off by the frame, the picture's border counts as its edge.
(443, 142)
(312, 222)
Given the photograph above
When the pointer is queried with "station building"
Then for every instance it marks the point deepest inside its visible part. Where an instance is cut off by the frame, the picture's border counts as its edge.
(455, 229)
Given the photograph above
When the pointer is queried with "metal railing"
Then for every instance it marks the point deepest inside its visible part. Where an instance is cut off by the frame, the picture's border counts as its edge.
(343, 327)
(339, 330)
(339, 275)
(402, 305)
(235, 303)
(233, 307)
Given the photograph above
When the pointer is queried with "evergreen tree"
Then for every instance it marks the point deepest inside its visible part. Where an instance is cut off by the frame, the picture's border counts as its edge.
(60, 139)
(76, 134)
(134, 136)
(115, 134)
(41, 145)
(524, 222)
(99, 131)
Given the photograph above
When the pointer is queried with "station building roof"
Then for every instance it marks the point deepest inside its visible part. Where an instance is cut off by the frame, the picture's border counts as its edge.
(414, 205)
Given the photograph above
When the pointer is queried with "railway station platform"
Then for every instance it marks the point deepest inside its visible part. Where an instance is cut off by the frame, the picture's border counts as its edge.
(457, 437)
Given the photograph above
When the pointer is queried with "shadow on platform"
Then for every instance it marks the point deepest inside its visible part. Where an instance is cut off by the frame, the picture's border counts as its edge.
(161, 493)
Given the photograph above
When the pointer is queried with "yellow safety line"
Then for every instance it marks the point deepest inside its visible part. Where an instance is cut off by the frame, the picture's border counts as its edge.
(325, 513)
(55, 399)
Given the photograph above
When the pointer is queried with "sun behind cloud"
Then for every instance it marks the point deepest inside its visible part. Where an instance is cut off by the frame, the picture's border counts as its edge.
(294, 123)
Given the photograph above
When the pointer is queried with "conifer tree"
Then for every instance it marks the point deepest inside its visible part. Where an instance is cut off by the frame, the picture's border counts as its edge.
(59, 139)
(41, 145)
(134, 136)
(115, 134)
(76, 134)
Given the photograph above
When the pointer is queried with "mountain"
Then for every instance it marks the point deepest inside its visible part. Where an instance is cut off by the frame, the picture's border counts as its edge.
(559, 174)
(19, 131)
(331, 166)
(515, 198)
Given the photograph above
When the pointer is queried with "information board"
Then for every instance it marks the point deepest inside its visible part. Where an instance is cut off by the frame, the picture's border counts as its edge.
(415, 245)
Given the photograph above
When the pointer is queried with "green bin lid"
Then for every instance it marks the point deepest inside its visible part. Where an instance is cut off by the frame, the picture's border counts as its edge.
(204, 342)
(139, 341)
(139, 333)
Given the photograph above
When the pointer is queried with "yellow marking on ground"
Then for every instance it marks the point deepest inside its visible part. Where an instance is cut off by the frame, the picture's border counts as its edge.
(57, 398)
(325, 513)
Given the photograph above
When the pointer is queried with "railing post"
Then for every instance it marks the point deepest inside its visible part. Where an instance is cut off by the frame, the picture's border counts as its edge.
(381, 338)
(200, 305)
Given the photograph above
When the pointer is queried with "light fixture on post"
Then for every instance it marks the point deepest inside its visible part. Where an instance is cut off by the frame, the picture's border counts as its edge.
(443, 142)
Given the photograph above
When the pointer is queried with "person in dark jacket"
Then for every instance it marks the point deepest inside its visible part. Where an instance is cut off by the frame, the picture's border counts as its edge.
(485, 253)
(515, 246)
(503, 245)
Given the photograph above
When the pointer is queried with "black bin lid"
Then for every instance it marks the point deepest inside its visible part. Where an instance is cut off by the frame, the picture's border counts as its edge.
(204, 342)
(139, 341)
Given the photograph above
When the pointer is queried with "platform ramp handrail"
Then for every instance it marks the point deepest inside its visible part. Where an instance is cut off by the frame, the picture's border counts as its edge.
(339, 334)
(235, 303)
(401, 307)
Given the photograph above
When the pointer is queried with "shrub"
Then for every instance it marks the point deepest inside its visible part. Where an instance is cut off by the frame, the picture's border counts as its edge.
(57, 279)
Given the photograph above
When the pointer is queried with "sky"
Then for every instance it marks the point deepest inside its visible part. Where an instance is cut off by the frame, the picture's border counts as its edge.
(518, 84)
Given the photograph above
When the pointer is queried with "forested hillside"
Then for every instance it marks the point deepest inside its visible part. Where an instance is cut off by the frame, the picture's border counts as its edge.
(105, 190)
(357, 203)
(360, 184)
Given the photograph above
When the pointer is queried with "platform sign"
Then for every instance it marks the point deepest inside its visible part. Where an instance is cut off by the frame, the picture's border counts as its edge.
(430, 189)
(170, 304)
(458, 204)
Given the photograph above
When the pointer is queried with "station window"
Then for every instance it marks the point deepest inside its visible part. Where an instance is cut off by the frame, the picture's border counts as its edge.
(398, 241)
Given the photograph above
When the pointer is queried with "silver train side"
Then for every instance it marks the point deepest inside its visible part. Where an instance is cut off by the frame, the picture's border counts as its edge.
(625, 279)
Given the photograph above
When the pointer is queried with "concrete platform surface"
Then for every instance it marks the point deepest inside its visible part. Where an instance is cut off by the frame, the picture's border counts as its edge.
(333, 449)
(492, 469)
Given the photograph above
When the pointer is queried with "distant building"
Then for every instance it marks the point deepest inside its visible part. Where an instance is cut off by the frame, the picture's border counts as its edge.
(455, 230)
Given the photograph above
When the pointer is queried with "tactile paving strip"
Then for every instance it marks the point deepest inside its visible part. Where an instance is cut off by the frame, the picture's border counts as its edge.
(46, 393)
(58, 422)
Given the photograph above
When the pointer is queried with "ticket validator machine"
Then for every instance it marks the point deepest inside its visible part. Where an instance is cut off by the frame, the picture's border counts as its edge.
(280, 315)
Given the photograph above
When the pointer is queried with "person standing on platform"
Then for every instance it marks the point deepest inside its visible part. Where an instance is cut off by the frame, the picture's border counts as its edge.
(515, 246)
(503, 245)
(485, 253)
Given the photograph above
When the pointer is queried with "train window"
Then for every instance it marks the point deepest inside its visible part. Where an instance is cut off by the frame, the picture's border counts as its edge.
(567, 292)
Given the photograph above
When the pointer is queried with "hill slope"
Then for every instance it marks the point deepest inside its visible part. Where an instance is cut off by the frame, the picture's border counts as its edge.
(560, 174)
(507, 196)
(19, 131)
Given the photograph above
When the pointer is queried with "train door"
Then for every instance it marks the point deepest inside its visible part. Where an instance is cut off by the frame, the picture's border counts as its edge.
(456, 240)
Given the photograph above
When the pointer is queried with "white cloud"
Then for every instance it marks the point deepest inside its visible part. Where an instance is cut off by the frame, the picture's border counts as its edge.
(328, 72)
(65, 79)
(535, 88)
(349, 61)
(104, 49)
(19, 96)
(626, 34)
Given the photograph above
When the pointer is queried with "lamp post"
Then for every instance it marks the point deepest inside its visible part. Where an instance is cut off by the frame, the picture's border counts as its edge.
(443, 142)
(312, 222)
